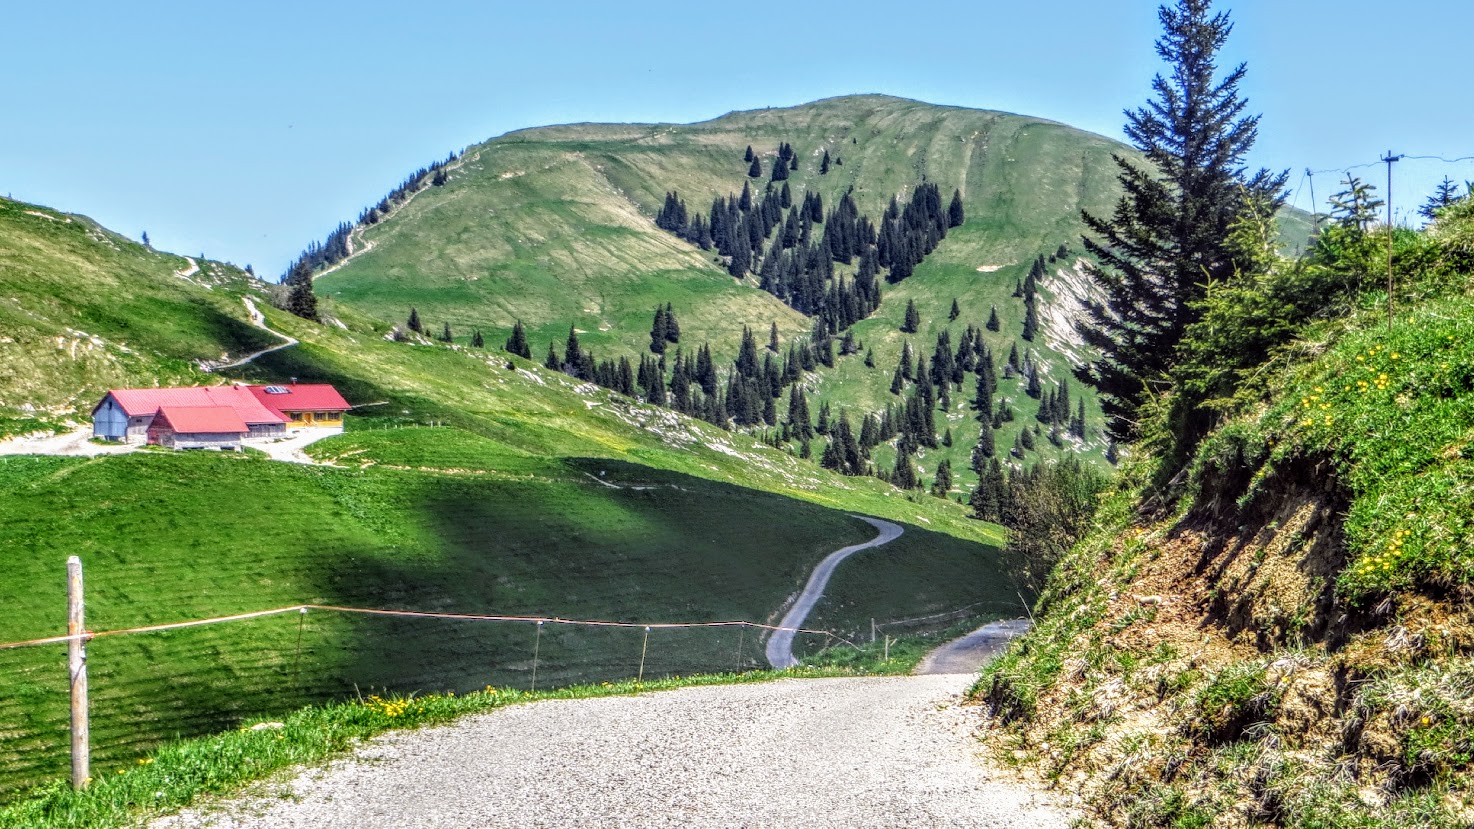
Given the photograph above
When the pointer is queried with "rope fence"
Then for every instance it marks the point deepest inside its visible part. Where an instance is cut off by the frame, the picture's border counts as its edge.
(409, 614)
(219, 676)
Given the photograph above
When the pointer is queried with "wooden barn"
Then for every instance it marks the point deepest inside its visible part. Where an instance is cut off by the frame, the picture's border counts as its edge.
(197, 427)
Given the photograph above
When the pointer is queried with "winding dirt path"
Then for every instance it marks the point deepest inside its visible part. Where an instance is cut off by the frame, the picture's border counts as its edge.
(259, 320)
(780, 644)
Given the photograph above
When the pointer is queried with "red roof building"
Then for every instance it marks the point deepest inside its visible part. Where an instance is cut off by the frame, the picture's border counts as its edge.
(197, 427)
(266, 411)
(125, 414)
(303, 404)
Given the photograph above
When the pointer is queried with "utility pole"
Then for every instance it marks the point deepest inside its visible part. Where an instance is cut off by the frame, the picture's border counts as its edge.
(1314, 208)
(1390, 159)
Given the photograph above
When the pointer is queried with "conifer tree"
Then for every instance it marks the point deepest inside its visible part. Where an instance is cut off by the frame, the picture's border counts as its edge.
(993, 324)
(1444, 195)
(301, 299)
(869, 358)
(1168, 236)
(955, 214)
(982, 399)
(773, 338)
(747, 156)
(747, 364)
(941, 485)
(572, 354)
(913, 318)
(477, 341)
(413, 323)
(898, 380)
(445, 335)
(904, 475)
(985, 448)
(955, 312)
(672, 327)
(1031, 319)
(756, 170)
(1356, 206)
(552, 361)
(517, 343)
(824, 164)
(659, 330)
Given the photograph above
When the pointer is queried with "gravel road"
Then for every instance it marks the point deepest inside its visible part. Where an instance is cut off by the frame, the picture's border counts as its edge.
(864, 752)
(973, 651)
(780, 644)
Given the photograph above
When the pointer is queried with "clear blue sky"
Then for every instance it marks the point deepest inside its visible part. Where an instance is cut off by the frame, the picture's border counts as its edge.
(244, 130)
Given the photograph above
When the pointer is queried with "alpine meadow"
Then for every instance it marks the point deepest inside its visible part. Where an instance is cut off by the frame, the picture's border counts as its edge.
(1167, 474)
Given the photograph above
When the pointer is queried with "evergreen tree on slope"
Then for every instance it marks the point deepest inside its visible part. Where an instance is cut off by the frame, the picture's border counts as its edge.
(1167, 237)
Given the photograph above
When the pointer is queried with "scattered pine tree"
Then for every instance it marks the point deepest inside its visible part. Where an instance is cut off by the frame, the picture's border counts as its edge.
(517, 343)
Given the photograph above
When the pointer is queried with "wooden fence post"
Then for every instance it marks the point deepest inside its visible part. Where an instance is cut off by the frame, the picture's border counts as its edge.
(77, 668)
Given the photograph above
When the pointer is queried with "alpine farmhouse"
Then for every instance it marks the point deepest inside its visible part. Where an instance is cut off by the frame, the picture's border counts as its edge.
(215, 417)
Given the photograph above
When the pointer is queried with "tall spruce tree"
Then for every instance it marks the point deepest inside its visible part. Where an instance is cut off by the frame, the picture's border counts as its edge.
(572, 353)
(955, 215)
(414, 323)
(941, 485)
(301, 299)
(659, 331)
(1168, 235)
(1031, 318)
(904, 475)
(517, 343)
(913, 318)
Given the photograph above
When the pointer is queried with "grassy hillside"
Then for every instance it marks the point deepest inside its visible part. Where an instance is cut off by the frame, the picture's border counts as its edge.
(1282, 635)
(553, 225)
(170, 536)
(462, 485)
(83, 309)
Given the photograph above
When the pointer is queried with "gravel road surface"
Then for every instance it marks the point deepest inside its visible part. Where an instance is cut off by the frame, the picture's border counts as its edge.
(780, 644)
(973, 651)
(863, 752)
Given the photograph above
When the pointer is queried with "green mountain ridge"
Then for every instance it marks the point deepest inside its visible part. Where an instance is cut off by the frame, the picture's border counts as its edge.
(554, 226)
